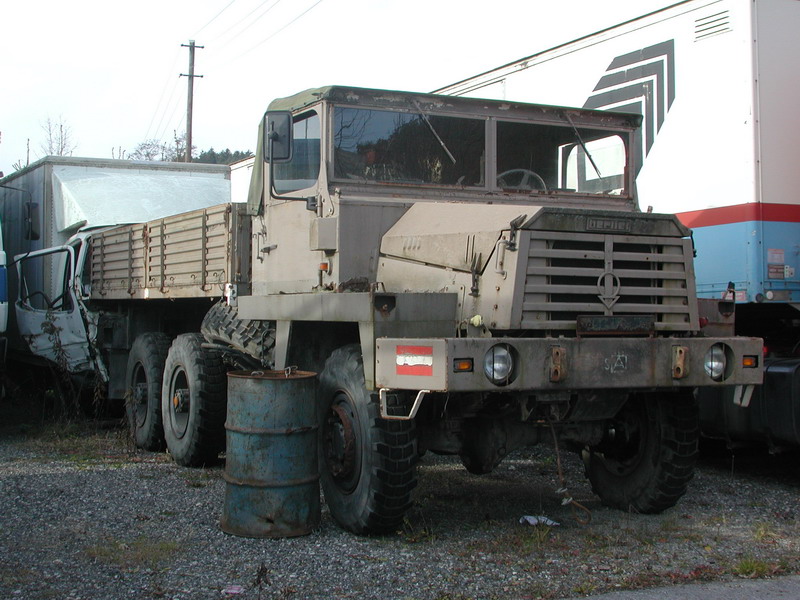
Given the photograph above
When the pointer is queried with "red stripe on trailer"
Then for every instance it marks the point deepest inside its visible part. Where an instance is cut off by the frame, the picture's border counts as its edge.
(741, 213)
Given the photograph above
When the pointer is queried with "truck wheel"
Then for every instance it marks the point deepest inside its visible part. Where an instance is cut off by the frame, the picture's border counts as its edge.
(193, 401)
(143, 381)
(647, 458)
(367, 464)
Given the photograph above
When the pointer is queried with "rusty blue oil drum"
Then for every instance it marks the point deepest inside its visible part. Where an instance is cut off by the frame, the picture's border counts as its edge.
(271, 472)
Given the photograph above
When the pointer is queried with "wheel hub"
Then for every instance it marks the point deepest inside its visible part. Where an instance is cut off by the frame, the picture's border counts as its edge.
(140, 393)
(180, 400)
(340, 444)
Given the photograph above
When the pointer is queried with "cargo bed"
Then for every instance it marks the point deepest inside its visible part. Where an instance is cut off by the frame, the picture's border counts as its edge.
(190, 255)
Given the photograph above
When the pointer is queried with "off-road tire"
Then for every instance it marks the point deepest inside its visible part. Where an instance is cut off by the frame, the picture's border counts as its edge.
(143, 379)
(194, 428)
(646, 467)
(368, 481)
(255, 338)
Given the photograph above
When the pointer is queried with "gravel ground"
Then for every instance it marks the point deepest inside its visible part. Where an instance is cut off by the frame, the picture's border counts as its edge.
(84, 515)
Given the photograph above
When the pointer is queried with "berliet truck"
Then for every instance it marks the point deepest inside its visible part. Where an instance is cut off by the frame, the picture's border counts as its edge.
(719, 147)
(467, 277)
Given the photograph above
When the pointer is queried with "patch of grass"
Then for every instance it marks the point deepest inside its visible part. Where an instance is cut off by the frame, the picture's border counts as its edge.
(764, 532)
(644, 579)
(200, 478)
(528, 540)
(414, 533)
(618, 538)
(536, 538)
(519, 542)
(141, 552)
(14, 576)
(644, 535)
(752, 568)
(80, 441)
(584, 589)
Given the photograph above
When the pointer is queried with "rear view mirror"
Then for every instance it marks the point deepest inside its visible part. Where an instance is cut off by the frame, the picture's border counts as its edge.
(278, 136)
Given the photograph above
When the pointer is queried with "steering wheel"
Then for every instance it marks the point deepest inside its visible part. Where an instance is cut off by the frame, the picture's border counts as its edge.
(527, 178)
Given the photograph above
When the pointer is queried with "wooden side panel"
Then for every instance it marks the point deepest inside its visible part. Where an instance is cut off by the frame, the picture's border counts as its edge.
(190, 255)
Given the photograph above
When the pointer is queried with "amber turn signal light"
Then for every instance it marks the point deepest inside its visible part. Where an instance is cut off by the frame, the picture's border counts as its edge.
(462, 365)
(749, 362)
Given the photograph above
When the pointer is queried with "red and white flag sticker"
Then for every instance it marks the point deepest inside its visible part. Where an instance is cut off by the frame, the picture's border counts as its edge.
(415, 360)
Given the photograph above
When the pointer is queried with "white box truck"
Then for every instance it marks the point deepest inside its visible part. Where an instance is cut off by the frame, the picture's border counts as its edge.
(47, 206)
(718, 88)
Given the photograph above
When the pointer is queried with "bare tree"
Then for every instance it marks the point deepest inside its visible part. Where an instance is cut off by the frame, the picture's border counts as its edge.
(58, 138)
(19, 165)
(149, 150)
(157, 150)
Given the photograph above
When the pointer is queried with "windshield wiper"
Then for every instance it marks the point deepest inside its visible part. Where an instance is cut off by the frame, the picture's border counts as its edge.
(582, 145)
(433, 131)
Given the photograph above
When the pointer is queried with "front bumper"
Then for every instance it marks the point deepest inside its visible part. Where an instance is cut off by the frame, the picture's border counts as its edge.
(564, 364)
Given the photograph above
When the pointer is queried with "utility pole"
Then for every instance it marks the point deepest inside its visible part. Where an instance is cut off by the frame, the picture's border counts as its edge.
(190, 100)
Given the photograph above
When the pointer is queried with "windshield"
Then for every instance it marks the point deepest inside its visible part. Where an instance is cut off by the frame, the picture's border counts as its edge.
(385, 146)
(556, 158)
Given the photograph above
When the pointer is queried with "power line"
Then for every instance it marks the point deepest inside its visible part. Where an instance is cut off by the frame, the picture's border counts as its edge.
(264, 41)
(159, 131)
(239, 22)
(297, 18)
(215, 17)
(161, 97)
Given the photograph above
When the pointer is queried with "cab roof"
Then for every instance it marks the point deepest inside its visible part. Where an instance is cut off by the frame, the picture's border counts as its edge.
(436, 103)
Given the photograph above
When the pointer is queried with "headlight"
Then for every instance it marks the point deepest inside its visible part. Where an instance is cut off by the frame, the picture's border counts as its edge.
(715, 362)
(498, 364)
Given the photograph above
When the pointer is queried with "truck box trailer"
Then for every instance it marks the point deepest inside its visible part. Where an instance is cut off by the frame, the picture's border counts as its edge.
(459, 279)
(719, 147)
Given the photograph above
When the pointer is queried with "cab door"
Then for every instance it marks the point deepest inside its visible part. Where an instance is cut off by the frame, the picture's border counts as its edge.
(51, 316)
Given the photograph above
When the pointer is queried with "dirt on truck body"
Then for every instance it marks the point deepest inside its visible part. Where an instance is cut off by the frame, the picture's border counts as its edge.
(467, 276)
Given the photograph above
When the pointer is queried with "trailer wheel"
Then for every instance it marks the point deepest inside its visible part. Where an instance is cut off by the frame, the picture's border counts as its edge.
(367, 464)
(193, 401)
(646, 460)
(143, 381)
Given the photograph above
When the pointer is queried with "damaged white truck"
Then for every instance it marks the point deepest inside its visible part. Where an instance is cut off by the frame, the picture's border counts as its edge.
(467, 276)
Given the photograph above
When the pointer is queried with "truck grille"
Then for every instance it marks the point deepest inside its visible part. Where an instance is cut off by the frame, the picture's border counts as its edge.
(607, 274)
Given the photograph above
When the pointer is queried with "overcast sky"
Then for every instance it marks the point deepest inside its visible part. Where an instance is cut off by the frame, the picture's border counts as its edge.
(111, 70)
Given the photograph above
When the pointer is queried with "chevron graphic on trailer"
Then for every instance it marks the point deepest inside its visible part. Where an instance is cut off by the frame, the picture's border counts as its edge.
(640, 82)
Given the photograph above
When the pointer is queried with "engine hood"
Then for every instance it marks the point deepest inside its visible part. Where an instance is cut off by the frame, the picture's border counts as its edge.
(451, 235)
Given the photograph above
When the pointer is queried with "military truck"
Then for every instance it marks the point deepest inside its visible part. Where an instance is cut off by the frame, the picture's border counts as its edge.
(467, 276)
